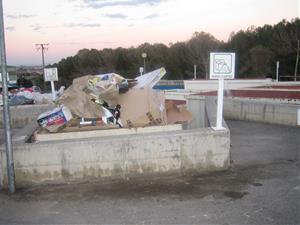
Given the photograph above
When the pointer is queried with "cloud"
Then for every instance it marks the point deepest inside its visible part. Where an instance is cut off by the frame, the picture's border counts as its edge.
(36, 27)
(152, 16)
(116, 16)
(66, 43)
(11, 28)
(20, 16)
(82, 43)
(82, 25)
(101, 42)
(97, 4)
(39, 28)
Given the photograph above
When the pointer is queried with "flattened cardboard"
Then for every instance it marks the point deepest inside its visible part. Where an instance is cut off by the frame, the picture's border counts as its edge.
(79, 102)
(150, 79)
(142, 107)
(177, 114)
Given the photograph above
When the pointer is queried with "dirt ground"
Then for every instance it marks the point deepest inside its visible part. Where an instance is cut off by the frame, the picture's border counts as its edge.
(261, 187)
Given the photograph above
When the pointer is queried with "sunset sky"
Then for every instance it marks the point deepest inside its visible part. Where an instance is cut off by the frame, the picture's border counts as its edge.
(70, 25)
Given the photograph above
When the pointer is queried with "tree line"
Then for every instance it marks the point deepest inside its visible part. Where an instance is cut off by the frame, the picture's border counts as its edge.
(257, 51)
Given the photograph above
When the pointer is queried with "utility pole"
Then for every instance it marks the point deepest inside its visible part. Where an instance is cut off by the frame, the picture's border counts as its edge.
(42, 47)
(6, 111)
(297, 60)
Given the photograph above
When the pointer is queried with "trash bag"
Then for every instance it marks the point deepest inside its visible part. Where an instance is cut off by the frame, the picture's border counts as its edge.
(20, 100)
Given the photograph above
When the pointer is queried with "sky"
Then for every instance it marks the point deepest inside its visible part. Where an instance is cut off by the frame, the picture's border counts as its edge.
(70, 25)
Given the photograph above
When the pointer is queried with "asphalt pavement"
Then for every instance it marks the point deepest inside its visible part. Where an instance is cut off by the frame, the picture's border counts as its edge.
(261, 187)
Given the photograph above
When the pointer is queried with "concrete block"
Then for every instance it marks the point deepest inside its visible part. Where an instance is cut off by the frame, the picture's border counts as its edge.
(23, 134)
(24, 114)
(176, 152)
(196, 105)
(261, 111)
(208, 85)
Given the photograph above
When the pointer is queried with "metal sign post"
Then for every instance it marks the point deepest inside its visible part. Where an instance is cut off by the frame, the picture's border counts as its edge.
(220, 104)
(53, 90)
(222, 66)
(6, 111)
(277, 71)
(50, 74)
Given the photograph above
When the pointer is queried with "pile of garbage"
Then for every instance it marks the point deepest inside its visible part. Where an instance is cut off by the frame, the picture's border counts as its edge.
(110, 99)
(24, 93)
(32, 95)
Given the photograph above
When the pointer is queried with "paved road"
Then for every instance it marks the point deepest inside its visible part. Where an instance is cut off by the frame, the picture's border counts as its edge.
(262, 187)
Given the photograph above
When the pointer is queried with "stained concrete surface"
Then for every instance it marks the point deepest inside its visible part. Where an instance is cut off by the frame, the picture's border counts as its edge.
(2, 134)
(262, 187)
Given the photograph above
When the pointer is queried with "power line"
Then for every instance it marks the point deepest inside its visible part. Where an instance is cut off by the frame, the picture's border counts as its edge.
(42, 47)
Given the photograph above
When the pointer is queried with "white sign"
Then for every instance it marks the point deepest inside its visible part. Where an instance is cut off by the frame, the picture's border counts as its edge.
(50, 74)
(222, 65)
(141, 70)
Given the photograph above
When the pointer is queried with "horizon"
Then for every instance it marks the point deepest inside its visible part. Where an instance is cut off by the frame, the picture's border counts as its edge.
(71, 25)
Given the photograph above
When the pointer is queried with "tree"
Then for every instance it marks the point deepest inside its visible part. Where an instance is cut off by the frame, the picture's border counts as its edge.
(180, 64)
(257, 50)
(259, 61)
(200, 45)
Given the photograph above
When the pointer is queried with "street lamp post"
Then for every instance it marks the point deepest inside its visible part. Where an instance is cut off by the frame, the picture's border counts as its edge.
(144, 56)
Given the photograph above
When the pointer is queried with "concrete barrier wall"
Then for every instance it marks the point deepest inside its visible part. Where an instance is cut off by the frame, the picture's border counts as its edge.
(23, 114)
(170, 82)
(261, 111)
(178, 94)
(204, 110)
(208, 85)
(273, 111)
(178, 152)
(196, 105)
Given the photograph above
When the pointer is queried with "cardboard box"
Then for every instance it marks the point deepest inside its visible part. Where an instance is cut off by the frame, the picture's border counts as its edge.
(54, 119)
(142, 107)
